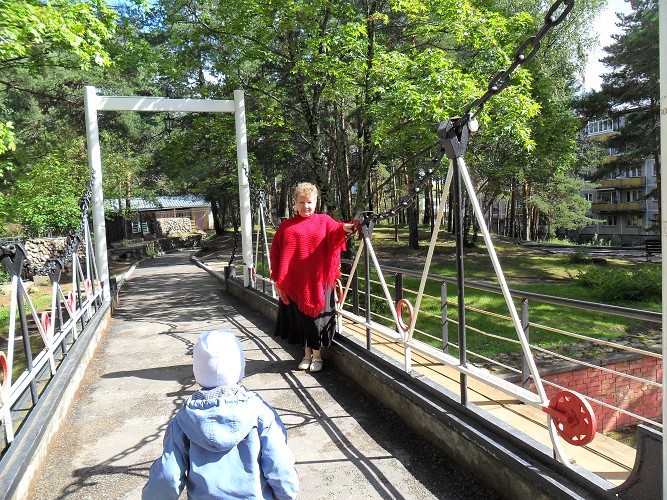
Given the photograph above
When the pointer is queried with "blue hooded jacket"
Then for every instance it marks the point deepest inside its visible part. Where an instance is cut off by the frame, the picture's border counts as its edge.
(223, 443)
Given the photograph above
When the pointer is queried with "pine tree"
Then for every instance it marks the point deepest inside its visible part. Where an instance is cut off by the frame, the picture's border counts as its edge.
(632, 87)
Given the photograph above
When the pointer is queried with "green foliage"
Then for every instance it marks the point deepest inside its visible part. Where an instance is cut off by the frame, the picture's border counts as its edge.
(560, 202)
(37, 35)
(47, 195)
(644, 283)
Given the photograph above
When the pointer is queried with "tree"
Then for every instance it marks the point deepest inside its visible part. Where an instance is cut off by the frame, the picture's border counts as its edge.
(45, 197)
(561, 205)
(38, 35)
(632, 88)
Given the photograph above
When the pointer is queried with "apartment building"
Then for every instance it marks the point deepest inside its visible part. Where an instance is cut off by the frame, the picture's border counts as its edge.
(620, 204)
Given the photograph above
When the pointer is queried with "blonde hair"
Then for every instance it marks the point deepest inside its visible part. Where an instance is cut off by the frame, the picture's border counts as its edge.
(304, 189)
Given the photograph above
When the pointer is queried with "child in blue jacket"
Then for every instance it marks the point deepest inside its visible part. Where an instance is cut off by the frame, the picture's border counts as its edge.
(226, 441)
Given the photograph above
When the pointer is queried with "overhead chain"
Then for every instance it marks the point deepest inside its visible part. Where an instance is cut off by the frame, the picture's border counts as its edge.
(502, 79)
(73, 240)
(236, 236)
(556, 14)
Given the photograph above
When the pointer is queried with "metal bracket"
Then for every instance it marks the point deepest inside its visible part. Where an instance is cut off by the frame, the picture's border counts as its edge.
(12, 257)
(364, 222)
(454, 139)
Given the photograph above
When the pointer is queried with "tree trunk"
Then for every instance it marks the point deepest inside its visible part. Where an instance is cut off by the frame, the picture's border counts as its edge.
(216, 218)
(527, 224)
(413, 224)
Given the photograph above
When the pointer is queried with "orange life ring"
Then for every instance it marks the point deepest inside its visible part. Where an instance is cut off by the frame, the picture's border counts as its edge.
(399, 314)
(5, 372)
(338, 291)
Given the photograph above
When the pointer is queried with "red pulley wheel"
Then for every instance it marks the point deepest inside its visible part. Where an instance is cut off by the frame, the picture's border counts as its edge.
(5, 372)
(573, 417)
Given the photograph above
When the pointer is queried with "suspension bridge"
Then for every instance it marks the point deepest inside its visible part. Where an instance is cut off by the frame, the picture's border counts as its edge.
(86, 394)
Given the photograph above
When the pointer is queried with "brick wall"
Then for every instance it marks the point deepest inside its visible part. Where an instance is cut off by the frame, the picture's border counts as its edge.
(631, 395)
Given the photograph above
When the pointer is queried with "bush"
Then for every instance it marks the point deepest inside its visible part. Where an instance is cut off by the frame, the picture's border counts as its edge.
(645, 283)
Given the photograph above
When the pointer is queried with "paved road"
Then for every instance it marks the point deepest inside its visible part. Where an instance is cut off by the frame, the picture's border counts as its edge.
(346, 445)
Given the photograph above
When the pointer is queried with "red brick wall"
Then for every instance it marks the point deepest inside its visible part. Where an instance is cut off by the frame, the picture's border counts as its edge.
(629, 394)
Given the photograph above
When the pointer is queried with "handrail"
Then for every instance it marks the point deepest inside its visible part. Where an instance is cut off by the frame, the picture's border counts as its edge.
(640, 314)
(57, 329)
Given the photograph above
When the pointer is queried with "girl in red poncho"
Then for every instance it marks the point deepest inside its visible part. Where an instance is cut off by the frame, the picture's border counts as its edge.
(305, 260)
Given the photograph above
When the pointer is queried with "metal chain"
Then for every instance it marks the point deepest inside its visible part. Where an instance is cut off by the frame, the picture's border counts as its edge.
(502, 79)
(496, 85)
(236, 236)
(260, 196)
(74, 239)
(414, 189)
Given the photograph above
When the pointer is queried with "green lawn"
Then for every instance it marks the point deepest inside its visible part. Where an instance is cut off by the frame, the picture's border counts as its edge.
(525, 269)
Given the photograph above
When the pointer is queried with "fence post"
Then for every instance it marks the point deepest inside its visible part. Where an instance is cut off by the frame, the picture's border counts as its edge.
(355, 293)
(398, 290)
(445, 321)
(525, 369)
(367, 296)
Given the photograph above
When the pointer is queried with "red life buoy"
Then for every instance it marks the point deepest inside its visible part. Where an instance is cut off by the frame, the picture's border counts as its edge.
(5, 372)
(46, 322)
(399, 314)
(338, 291)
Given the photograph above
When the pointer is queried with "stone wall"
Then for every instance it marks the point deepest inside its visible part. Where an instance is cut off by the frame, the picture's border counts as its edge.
(173, 225)
(40, 250)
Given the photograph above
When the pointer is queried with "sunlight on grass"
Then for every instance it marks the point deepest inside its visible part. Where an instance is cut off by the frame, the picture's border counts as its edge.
(524, 270)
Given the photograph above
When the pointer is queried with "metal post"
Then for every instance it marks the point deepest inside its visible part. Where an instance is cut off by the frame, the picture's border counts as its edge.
(367, 297)
(525, 367)
(662, 29)
(355, 293)
(97, 201)
(398, 289)
(445, 320)
(460, 283)
(244, 186)
(25, 334)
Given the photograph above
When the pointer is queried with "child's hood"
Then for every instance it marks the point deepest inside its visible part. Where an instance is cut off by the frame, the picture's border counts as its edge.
(219, 424)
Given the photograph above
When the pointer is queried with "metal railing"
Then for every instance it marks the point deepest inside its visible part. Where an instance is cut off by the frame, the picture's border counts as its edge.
(492, 353)
(511, 364)
(37, 342)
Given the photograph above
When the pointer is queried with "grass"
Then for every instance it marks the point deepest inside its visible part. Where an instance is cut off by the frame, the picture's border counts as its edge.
(525, 269)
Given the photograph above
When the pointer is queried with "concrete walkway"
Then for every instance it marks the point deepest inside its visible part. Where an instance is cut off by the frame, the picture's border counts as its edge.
(346, 445)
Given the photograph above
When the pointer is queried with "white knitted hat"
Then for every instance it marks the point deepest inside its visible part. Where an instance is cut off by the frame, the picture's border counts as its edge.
(218, 359)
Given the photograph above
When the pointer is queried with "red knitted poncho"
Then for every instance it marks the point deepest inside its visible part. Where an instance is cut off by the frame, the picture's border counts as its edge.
(305, 259)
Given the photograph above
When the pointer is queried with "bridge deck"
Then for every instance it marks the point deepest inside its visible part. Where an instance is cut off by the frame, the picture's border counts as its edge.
(609, 459)
(346, 445)
(605, 457)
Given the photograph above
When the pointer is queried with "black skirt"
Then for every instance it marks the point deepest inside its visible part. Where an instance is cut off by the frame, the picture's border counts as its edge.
(299, 328)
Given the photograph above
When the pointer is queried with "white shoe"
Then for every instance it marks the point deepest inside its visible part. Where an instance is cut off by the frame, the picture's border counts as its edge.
(316, 365)
(305, 363)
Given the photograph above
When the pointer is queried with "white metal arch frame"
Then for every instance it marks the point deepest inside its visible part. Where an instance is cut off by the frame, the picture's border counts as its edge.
(94, 103)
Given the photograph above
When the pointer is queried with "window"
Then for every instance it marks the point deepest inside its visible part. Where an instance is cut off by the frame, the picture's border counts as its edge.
(599, 126)
(604, 197)
(632, 195)
(612, 220)
(633, 220)
(588, 197)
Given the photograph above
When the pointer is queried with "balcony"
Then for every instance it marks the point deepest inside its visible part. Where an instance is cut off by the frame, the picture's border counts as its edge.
(627, 182)
(634, 206)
